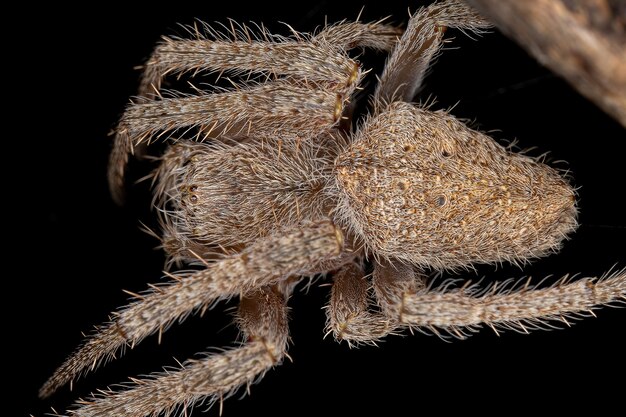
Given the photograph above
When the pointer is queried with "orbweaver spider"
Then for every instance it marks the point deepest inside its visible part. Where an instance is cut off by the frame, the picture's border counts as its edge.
(278, 189)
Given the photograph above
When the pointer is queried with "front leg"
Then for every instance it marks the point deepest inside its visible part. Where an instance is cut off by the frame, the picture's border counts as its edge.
(262, 317)
(282, 108)
(517, 306)
(348, 315)
(420, 44)
(270, 260)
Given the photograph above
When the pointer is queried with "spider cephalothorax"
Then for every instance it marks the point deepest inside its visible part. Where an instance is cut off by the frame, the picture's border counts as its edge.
(279, 188)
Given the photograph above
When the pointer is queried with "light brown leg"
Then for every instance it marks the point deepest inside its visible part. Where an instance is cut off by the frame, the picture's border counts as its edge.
(516, 306)
(422, 40)
(296, 58)
(280, 108)
(263, 319)
(286, 109)
(285, 253)
(322, 59)
(347, 313)
(349, 35)
(391, 282)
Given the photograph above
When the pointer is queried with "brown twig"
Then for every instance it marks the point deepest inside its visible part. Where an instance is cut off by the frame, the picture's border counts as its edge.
(582, 40)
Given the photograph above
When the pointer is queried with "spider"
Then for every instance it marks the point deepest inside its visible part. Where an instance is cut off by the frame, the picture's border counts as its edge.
(277, 188)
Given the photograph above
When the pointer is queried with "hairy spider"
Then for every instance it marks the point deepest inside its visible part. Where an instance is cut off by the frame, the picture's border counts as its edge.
(277, 189)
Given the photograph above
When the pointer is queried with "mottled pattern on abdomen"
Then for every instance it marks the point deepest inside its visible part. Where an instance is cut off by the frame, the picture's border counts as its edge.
(422, 186)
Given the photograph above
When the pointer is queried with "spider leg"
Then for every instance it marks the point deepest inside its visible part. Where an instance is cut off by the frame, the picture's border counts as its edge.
(319, 58)
(391, 281)
(423, 39)
(297, 58)
(292, 109)
(349, 35)
(347, 312)
(509, 305)
(282, 108)
(262, 317)
(287, 252)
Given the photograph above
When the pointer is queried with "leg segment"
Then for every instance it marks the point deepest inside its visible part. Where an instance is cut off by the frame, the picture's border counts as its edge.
(274, 109)
(391, 282)
(263, 319)
(505, 305)
(349, 35)
(298, 59)
(422, 40)
(347, 313)
(267, 262)
(278, 108)
(320, 58)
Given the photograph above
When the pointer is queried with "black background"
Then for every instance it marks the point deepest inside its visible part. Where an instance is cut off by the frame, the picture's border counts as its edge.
(74, 250)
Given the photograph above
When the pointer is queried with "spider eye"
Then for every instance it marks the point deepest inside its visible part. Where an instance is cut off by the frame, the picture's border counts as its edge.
(445, 153)
(440, 201)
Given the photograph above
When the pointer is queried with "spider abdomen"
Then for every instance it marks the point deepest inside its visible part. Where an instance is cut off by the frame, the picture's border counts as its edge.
(424, 185)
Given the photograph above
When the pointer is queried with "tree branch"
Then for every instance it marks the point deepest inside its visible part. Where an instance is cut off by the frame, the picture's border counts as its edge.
(582, 40)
